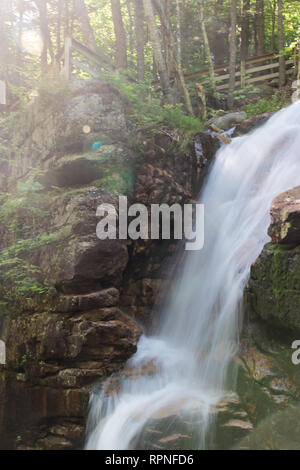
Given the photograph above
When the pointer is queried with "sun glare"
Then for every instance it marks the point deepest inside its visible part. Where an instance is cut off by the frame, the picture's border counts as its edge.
(32, 42)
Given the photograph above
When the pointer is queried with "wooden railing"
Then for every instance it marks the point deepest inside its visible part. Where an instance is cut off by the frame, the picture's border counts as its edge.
(67, 62)
(251, 71)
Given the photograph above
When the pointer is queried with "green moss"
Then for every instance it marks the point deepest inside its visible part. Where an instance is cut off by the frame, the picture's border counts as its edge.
(275, 283)
(120, 180)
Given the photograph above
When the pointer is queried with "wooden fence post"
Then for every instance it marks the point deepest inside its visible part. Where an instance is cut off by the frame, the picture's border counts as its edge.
(68, 58)
(2, 92)
(243, 74)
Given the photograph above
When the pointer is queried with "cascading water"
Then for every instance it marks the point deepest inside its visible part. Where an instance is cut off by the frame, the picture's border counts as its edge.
(198, 335)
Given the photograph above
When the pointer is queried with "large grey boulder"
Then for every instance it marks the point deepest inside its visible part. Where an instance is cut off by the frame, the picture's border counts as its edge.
(228, 120)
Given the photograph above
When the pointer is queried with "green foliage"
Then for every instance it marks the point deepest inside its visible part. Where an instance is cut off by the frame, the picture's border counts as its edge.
(17, 272)
(145, 110)
(20, 215)
(245, 92)
(14, 207)
(121, 181)
(274, 103)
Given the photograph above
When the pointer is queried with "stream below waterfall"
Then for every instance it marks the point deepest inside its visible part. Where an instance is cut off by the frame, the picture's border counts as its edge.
(182, 374)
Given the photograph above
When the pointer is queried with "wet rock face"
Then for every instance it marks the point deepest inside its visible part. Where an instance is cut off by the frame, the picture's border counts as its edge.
(268, 380)
(71, 339)
(56, 131)
(285, 211)
(65, 337)
(274, 287)
(52, 359)
(252, 123)
(273, 293)
(268, 385)
(78, 322)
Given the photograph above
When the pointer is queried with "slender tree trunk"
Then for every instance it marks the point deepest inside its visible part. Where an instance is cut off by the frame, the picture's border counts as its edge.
(157, 49)
(178, 31)
(273, 25)
(86, 29)
(67, 19)
(47, 46)
(281, 45)
(140, 38)
(178, 39)
(208, 54)
(121, 45)
(260, 28)
(21, 10)
(5, 54)
(58, 30)
(232, 58)
(164, 8)
(155, 70)
(130, 15)
(245, 11)
(175, 59)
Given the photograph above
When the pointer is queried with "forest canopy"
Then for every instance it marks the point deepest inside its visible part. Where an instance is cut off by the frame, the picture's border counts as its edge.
(161, 43)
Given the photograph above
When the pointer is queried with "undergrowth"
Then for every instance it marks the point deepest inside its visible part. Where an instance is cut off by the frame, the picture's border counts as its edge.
(145, 110)
(272, 104)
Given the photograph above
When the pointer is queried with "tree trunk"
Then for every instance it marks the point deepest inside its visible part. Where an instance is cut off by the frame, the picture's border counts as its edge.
(245, 32)
(232, 46)
(130, 15)
(260, 28)
(121, 46)
(208, 54)
(281, 46)
(178, 32)
(5, 54)
(164, 9)
(47, 43)
(86, 29)
(58, 30)
(155, 70)
(21, 10)
(273, 25)
(175, 59)
(67, 19)
(140, 38)
(157, 50)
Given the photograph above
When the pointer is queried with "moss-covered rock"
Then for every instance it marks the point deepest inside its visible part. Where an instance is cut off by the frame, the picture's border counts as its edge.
(63, 292)
(274, 286)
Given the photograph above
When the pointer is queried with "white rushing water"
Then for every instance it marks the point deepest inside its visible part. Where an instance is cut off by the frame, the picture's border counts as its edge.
(199, 331)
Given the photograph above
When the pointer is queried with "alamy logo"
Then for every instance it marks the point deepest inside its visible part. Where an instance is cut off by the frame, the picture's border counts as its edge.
(2, 353)
(296, 354)
(160, 222)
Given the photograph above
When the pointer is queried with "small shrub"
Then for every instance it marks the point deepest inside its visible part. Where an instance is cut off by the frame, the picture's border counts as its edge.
(274, 103)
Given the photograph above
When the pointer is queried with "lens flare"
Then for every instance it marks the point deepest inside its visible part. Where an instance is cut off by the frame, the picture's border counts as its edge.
(32, 42)
(86, 129)
(96, 145)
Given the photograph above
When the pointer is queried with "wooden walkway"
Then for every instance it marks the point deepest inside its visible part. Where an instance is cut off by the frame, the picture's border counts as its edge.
(255, 70)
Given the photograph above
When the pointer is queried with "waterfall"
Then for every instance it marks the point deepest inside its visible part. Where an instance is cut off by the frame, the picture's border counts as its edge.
(192, 352)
